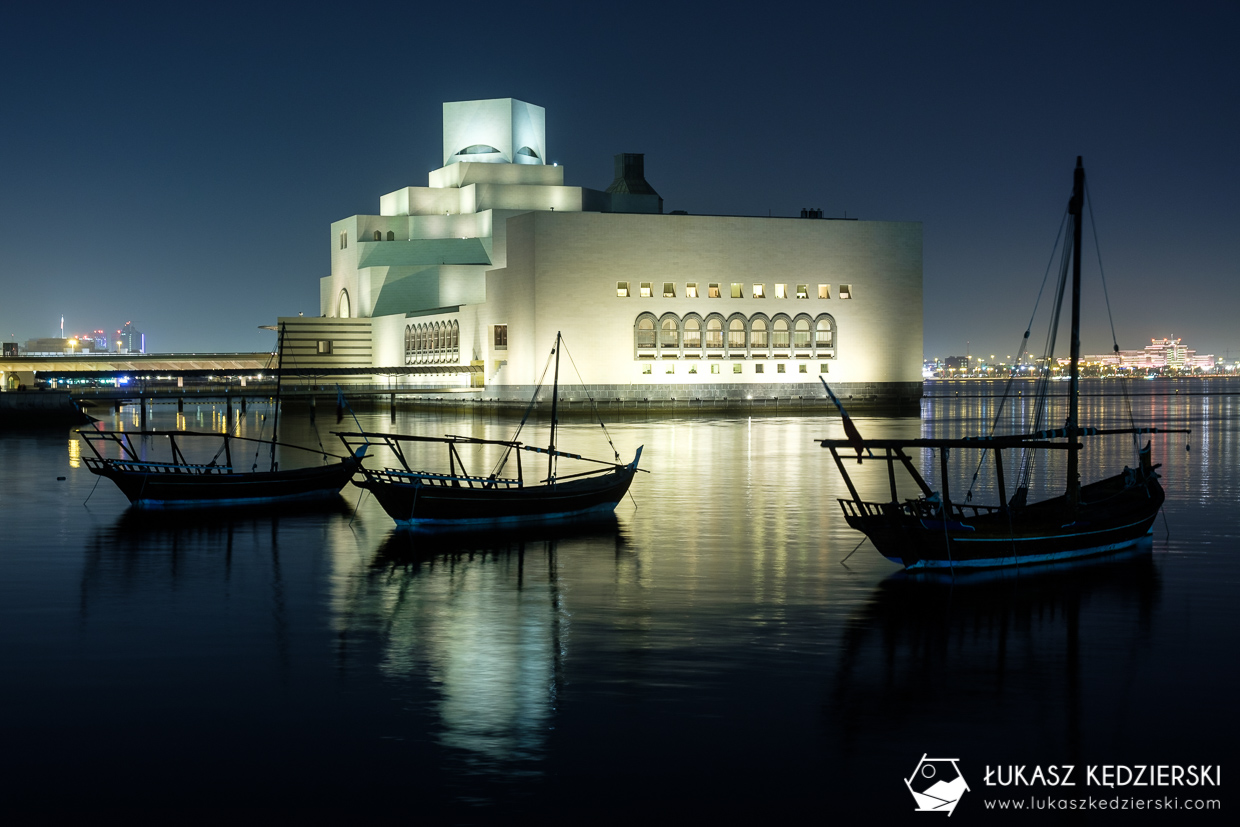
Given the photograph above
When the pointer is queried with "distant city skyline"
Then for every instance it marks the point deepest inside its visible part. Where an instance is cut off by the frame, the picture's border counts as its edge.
(196, 197)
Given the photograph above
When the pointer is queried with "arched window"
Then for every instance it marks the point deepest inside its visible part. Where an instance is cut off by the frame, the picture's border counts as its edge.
(714, 332)
(801, 335)
(645, 332)
(780, 335)
(456, 336)
(391, 236)
(378, 236)
(824, 333)
(342, 304)
(757, 333)
(408, 343)
(736, 334)
(693, 332)
(669, 332)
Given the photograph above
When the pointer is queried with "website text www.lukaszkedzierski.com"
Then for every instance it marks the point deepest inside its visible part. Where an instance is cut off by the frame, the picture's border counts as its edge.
(1101, 803)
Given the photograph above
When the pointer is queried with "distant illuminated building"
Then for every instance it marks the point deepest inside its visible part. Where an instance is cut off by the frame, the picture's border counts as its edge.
(1158, 355)
(466, 282)
(130, 340)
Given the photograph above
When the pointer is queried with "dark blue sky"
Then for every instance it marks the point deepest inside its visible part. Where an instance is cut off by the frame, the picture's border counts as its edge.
(179, 168)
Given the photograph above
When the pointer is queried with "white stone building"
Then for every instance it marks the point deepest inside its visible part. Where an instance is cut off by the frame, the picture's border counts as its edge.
(465, 282)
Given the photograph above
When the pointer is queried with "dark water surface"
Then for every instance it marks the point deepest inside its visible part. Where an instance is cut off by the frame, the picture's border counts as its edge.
(704, 656)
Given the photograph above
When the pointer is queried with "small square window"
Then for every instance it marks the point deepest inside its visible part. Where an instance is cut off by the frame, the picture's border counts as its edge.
(802, 291)
(759, 291)
(646, 369)
(647, 289)
(781, 291)
(736, 367)
(758, 368)
(669, 290)
(693, 369)
(824, 368)
(713, 291)
(738, 290)
(691, 290)
(824, 291)
(325, 346)
(671, 367)
(622, 289)
(714, 368)
(846, 291)
(802, 368)
(780, 369)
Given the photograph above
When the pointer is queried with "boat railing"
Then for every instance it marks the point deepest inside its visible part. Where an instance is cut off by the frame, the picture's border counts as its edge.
(920, 508)
(392, 475)
(144, 467)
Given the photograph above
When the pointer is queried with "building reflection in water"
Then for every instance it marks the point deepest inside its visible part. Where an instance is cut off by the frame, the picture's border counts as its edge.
(474, 627)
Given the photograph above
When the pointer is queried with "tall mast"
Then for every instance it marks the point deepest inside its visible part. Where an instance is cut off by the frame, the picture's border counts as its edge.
(275, 423)
(555, 395)
(1075, 209)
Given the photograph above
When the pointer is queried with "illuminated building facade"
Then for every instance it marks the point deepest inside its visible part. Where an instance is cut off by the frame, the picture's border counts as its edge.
(466, 282)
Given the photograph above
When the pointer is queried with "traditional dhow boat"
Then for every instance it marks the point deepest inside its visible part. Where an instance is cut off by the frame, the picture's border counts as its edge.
(426, 499)
(933, 531)
(182, 482)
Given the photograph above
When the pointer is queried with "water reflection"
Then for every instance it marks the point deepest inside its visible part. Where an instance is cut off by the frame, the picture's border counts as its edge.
(1042, 655)
(479, 617)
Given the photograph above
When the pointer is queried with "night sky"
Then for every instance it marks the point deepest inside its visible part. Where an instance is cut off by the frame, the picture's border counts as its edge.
(179, 166)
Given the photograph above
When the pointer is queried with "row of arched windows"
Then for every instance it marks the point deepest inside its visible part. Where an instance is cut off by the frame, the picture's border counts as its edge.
(433, 343)
(391, 236)
(736, 335)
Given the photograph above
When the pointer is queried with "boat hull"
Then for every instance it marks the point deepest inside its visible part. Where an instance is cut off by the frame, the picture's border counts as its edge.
(1114, 514)
(427, 505)
(165, 489)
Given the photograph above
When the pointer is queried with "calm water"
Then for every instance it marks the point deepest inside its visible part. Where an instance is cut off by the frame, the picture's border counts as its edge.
(706, 654)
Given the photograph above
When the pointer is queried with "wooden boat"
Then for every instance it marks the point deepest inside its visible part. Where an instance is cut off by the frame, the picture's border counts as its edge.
(179, 482)
(437, 500)
(933, 531)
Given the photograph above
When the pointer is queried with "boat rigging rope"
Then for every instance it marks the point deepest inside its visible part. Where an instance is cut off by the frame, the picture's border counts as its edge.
(593, 407)
(503, 459)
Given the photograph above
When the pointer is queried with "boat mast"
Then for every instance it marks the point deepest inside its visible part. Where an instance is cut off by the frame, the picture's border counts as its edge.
(275, 423)
(1075, 209)
(555, 395)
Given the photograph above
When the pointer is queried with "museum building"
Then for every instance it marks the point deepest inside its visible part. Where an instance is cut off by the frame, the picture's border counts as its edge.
(464, 283)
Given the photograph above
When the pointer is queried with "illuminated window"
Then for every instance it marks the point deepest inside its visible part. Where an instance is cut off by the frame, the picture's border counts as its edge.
(780, 369)
(759, 291)
(781, 291)
(645, 332)
(693, 333)
(669, 333)
(712, 292)
(824, 291)
(501, 337)
(714, 368)
(378, 236)
(646, 369)
(671, 367)
(823, 334)
(824, 368)
(780, 333)
(344, 240)
(846, 291)
(714, 333)
(801, 336)
(693, 369)
(325, 346)
(802, 368)
(759, 368)
(757, 333)
(622, 289)
(647, 289)
(736, 334)
(669, 290)
(738, 290)
(802, 291)
(736, 367)
(391, 236)
(691, 290)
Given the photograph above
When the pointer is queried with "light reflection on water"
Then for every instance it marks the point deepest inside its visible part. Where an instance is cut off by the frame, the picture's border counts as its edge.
(710, 627)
